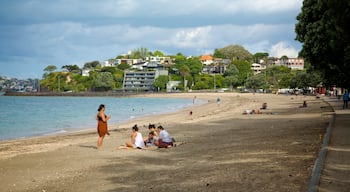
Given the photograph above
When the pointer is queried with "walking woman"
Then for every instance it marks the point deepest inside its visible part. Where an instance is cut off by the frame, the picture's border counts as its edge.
(102, 128)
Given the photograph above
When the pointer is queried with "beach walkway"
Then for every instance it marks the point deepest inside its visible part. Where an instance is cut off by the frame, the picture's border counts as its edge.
(335, 174)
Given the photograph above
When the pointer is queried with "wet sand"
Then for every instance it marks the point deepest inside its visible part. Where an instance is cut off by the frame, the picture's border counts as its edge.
(218, 149)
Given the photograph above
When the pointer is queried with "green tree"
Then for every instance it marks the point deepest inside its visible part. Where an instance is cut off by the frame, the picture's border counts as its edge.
(123, 66)
(112, 70)
(245, 71)
(179, 56)
(234, 52)
(231, 75)
(256, 82)
(158, 53)
(218, 54)
(323, 28)
(203, 81)
(91, 65)
(140, 53)
(161, 82)
(184, 70)
(104, 81)
(72, 68)
(278, 77)
(304, 80)
(49, 69)
(260, 56)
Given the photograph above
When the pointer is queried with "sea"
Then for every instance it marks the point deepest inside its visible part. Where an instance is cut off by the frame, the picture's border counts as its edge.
(24, 117)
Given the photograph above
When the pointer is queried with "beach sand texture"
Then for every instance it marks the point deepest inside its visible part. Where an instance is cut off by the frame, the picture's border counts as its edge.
(218, 149)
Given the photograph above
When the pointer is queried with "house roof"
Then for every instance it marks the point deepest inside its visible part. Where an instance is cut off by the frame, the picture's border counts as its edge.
(206, 57)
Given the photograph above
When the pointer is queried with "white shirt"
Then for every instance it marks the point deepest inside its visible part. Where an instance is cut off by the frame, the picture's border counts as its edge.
(165, 136)
(139, 141)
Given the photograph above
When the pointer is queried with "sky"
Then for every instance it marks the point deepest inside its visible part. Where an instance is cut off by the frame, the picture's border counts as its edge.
(38, 33)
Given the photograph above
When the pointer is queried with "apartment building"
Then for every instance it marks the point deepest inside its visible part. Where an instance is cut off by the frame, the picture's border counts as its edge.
(139, 80)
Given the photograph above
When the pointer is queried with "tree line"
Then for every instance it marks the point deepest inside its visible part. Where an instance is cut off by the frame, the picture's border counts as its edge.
(238, 74)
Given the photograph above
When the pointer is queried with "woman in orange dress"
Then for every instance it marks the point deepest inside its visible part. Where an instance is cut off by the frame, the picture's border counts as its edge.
(102, 128)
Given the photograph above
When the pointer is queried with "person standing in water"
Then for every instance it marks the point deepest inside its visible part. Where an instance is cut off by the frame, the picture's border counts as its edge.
(102, 128)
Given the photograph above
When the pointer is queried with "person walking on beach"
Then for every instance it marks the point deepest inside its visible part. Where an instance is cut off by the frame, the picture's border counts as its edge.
(102, 128)
(345, 100)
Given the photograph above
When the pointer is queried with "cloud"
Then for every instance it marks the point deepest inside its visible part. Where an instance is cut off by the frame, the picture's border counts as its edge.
(283, 48)
(38, 33)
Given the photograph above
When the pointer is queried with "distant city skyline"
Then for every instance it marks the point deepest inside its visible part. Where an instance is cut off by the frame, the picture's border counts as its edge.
(38, 33)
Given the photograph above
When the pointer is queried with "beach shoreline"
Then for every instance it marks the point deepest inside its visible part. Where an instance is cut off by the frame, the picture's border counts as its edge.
(299, 128)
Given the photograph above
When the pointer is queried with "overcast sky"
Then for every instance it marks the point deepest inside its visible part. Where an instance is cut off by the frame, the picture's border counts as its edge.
(38, 33)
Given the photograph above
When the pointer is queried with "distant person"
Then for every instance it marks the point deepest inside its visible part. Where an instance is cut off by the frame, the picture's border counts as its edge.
(218, 101)
(136, 141)
(251, 111)
(164, 138)
(264, 106)
(345, 100)
(304, 105)
(102, 128)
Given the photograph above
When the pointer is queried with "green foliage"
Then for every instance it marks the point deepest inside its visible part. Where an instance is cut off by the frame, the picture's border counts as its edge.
(103, 81)
(179, 56)
(323, 28)
(158, 53)
(244, 70)
(258, 56)
(91, 65)
(161, 82)
(231, 75)
(72, 68)
(123, 66)
(303, 80)
(203, 81)
(218, 54)
(234, 52)
(50, 68)
(256, 82)
(140, 53)
(278, 76)
(112, 70)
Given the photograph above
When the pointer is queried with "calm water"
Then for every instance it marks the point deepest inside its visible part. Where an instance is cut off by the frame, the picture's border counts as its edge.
(22, 117)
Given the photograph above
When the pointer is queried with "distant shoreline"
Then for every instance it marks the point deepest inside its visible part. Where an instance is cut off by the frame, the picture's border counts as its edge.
(74, 94)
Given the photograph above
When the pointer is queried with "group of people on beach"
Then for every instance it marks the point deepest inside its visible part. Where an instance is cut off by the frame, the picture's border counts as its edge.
(156, 138)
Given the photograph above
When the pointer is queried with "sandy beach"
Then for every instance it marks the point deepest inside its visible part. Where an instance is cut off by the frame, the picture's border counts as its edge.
(218, 149)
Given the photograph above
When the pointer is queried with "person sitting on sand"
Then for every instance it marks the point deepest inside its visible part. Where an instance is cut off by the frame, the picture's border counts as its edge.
(264, 106)
(304, 105)
(152, 127)
(164, 138)
(151, 140)
(137, 141)
(250, 112)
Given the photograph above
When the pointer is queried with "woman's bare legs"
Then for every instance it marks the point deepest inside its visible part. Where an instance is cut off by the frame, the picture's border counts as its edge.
(99, 142)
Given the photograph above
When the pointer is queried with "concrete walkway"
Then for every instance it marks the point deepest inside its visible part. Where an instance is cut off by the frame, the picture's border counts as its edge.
(335, 174)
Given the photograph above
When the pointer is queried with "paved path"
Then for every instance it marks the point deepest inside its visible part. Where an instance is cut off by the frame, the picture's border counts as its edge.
(335, 175)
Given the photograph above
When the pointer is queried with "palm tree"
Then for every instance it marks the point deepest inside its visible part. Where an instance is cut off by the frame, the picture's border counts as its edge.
(184, 71)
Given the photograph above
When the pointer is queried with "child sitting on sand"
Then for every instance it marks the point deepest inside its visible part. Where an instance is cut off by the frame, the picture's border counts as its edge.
(151, 140)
